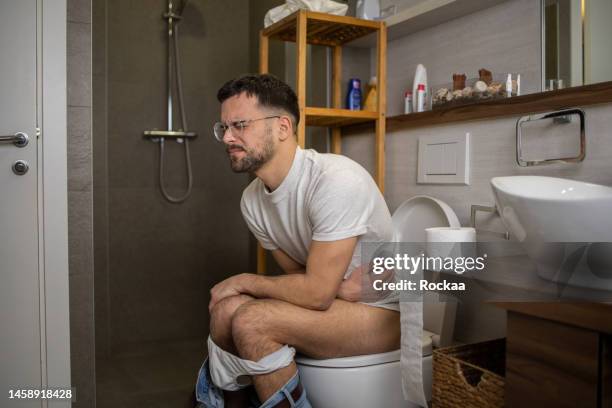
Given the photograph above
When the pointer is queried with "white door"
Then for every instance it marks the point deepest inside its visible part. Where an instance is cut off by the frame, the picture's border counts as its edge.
(20, 320)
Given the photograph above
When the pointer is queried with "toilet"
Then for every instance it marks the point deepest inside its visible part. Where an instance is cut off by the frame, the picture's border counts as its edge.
(375, 380)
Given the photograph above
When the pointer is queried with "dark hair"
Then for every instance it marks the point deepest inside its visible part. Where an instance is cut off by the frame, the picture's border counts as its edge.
(270, 92)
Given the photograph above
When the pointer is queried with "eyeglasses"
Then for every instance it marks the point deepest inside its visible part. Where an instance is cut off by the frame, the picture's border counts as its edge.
(237, 127)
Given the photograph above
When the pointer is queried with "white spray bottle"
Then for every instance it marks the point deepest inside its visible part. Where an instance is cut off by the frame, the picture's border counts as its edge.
(420, 77)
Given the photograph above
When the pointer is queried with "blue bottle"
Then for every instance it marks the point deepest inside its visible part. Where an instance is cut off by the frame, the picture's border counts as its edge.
(353, 99)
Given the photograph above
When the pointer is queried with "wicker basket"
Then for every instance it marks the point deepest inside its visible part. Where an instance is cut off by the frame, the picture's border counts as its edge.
(469, 376)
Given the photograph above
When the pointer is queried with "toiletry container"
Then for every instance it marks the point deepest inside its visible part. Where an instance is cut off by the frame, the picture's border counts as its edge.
(509, 86)
(408, 102)
(353, 98)
(421, 98)
(420, 78)
(371, 96)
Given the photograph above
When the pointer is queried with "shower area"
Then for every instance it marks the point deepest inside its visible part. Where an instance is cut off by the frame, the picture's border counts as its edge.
(157, 253)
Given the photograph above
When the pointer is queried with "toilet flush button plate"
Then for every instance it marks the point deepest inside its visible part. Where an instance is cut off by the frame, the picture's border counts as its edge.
(444, 159)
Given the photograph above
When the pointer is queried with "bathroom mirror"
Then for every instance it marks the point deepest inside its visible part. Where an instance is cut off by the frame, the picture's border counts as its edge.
(576, 37)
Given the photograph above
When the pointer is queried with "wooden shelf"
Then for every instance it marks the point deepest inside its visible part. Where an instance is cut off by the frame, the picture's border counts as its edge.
(322, 29)
(337, 117)
(519, 105)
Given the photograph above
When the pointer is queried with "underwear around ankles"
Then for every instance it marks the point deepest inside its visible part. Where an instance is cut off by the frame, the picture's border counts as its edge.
(231, 373)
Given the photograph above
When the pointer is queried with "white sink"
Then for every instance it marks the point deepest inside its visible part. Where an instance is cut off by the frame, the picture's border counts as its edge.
(553, 218)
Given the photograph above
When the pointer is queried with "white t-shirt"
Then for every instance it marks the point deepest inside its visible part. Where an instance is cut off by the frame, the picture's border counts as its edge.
(324, 197)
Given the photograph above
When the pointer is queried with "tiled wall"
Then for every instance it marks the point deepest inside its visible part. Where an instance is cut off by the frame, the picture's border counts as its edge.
(100, 192)
(510, 26)
(80, 202)
(156, 261)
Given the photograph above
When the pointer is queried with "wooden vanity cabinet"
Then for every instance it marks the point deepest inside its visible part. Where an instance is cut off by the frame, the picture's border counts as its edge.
(558, 355)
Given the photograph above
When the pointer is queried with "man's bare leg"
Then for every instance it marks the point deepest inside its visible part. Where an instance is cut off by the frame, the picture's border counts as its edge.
(262, 326)
(221, 334)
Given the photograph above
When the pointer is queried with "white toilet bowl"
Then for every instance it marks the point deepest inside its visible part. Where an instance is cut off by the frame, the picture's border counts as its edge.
(367, 381)
(375, 380)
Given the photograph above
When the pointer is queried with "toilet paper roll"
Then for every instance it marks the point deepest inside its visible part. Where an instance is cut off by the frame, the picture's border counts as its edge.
(444, 242)
(411, 357)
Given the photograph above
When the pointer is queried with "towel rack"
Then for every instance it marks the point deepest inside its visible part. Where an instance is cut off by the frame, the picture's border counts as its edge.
(559, 117)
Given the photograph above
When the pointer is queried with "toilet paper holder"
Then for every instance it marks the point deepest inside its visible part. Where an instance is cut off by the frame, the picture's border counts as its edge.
(486, 208)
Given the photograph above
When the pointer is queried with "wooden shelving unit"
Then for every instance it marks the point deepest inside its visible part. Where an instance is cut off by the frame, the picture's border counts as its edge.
(307, 27)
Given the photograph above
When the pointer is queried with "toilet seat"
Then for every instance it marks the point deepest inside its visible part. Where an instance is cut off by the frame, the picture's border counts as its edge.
(365, 360)
(419, 212)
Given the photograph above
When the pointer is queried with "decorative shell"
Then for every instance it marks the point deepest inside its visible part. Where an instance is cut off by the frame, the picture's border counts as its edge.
(494, 88)
(457, 94)
(467, 92)
(480, 86)
(441, 93)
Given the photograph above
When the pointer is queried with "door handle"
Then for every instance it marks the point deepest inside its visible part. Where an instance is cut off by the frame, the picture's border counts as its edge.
(19, 139)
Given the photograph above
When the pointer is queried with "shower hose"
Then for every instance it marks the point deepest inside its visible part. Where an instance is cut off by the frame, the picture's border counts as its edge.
(179, 86)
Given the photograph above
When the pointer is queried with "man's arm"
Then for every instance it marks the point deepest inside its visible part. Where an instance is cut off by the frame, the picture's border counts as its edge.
(287, 264)
(350, 289)
(315, 289)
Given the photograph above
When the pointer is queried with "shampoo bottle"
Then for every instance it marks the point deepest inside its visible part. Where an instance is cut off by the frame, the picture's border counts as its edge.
(353, 98)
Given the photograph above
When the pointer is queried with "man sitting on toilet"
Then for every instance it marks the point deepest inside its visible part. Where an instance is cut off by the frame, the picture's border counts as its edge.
(312, 211)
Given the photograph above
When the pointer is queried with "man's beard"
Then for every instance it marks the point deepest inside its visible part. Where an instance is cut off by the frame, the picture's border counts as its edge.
(253, 159)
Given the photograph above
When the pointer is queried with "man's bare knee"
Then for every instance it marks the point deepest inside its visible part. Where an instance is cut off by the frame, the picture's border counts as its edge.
(251, 326)
(221, 319)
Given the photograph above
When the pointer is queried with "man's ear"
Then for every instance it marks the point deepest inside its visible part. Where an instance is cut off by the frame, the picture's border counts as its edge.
(286, 128)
